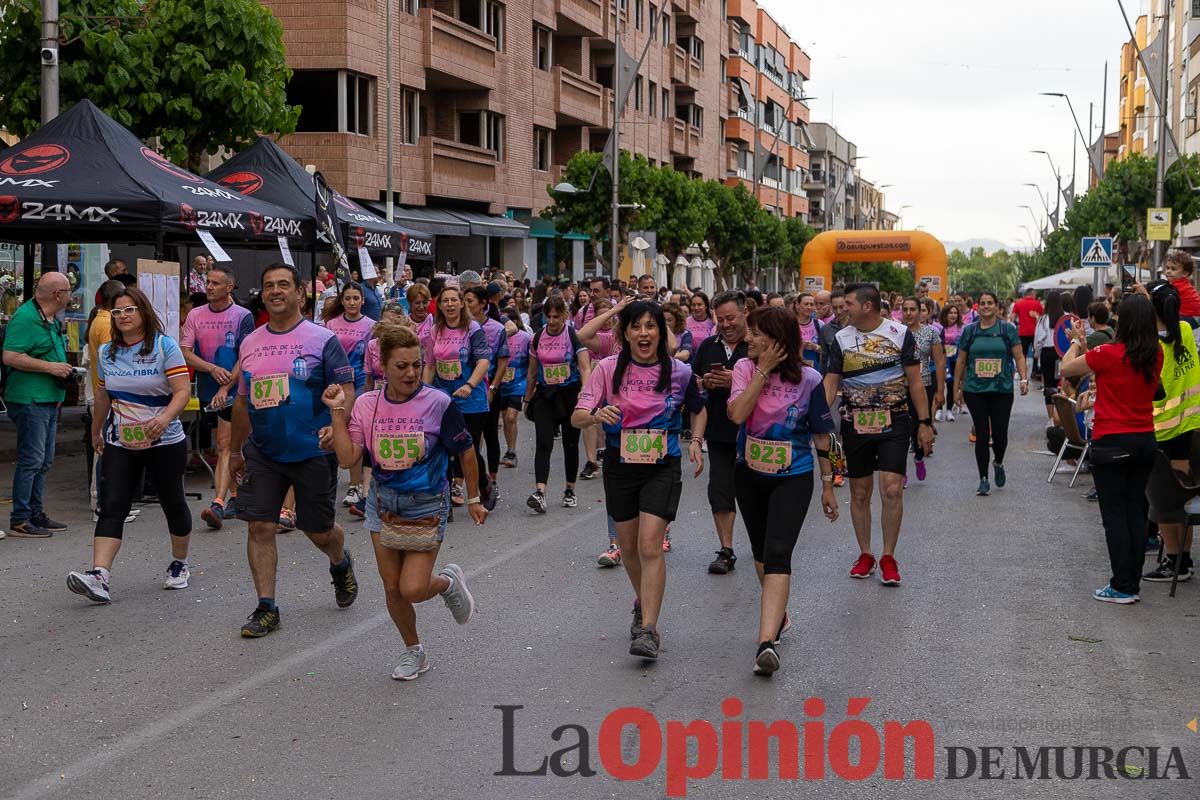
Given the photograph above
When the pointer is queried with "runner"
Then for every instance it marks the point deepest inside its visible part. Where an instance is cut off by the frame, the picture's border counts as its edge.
(951, 321)
(286, 365)
(700, 321)
(212, 335)
(714, 362)
(1027, 311)
(513, 381)
(933, 363)
(456, 358)
(983, 380)
(418, 309)
(874, 362)
(638, 397)
(1123, 444)
(142, 388)
(805, 309)
(1176, 418)
(779, 405)
(1047, 356)
(344, 317)
(498, 357)
(412, 431)
(393, 314)
(558, 366)
(600, 340)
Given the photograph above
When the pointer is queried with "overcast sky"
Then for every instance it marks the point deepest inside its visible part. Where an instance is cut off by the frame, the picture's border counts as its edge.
(942, 98)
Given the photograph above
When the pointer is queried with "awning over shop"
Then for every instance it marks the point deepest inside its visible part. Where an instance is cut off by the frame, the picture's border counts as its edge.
(490, 225)
(434, 221)
(545, 229)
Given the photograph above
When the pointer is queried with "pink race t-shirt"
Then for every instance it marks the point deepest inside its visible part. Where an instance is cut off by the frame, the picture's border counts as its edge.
(784, 412)
(701, 328)
(353, 336)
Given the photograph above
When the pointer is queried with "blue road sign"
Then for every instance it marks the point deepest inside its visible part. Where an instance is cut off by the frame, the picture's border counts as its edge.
(1096, 251)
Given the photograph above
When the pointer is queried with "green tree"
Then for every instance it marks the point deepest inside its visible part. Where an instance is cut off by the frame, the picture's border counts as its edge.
(195, 75)
(730, 228)
(890, 276)
(681, 214)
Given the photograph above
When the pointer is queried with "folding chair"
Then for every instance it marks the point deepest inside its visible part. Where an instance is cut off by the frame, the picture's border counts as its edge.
(1066, 418)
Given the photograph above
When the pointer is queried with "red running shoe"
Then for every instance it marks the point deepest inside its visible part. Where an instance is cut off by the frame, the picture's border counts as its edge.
(889, 573)
(864, 567)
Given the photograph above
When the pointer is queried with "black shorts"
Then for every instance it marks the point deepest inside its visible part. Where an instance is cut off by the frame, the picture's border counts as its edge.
(266, 483)
(505, 402)
(209, 418)
(632, 489)
(721, 459)
(868, 453)
(1026, 344)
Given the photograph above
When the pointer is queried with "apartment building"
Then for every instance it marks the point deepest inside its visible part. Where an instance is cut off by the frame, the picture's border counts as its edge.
(832, 183)
(491, 99)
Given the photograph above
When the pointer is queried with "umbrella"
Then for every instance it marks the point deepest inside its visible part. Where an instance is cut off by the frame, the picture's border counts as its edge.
(710, 269)
(660, 269)
(640, 246)
(679, 275)
(694, 278)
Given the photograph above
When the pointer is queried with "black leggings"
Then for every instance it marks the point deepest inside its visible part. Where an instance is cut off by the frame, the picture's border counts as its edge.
(121, 480)
(1121, 490)
(1047, 364)
(918, 453)
(773, 511)
(491, 437)
(989, 413)
(475, 426)
(546, 412)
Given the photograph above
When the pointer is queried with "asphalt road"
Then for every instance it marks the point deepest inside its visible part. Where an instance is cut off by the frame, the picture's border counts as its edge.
(993, 640)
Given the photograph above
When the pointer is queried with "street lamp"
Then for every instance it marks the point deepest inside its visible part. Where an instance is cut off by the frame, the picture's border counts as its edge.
(1029, 235)
(1032, 215)
(1087, 147)
(900, 215)
(1038, 189)
(1054, 169)
(569, 188)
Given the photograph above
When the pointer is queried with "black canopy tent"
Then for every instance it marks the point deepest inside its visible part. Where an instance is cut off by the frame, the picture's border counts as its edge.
(265, 171)
(83, 177)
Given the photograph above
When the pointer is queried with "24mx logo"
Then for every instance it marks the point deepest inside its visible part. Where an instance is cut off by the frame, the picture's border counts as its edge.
(207, 191)
(35, 160)
(53, 212)
(166, 166)
(28, 183)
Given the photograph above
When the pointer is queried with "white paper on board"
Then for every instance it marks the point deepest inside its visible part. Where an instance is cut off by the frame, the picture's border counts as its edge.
(285, 251)
(213, 247)
(365, 265)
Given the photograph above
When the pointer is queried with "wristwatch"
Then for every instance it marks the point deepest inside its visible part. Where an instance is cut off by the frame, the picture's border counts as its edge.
(926, 421)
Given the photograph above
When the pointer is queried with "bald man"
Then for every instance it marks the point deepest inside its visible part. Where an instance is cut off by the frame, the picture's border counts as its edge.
(824, 307)
(35, 352)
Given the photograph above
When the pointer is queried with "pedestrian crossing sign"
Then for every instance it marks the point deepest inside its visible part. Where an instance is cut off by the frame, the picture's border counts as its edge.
(1096, 251)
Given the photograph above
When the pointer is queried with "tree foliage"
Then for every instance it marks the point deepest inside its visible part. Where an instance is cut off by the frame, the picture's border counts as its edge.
(890, 277)
(683, 212)
(194, 75)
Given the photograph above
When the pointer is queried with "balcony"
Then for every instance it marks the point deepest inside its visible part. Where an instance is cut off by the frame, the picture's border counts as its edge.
(458, 170)
(458, 55)
(685, 139)
(686, 69)
(1139, 95)
(689, 9)
(738, 129)
(585, 17)
(580, 101)
(814, 181)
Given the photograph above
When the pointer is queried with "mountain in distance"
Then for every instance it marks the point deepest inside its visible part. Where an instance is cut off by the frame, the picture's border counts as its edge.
(989, 246)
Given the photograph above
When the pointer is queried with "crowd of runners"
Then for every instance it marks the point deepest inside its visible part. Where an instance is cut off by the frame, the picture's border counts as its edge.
(776, 397)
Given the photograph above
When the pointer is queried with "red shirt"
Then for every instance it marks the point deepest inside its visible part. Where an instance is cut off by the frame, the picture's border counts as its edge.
(1124, 399)
(1189, 299)
(1024, 310)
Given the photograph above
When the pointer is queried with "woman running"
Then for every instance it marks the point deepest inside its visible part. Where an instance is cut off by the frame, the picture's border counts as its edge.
(142, 387)
(933, 362)
(393, 314)
(677, 324)
(988, 349)
(558, 366)
(456, 357)
(343, 316)
(1122, 457)
(639, 396)
(951, 321)
(580, 306)
(700, 321)
(512, 382)
(1043, 345)
(412, 431)
(498, 356)
(780, 406)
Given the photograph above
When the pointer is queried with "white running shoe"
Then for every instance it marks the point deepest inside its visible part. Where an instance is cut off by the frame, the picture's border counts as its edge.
(940, 415)
(177, 575)
(412, 663)
(950, 416)
(353, 497)
(90, 584)
(132, 516)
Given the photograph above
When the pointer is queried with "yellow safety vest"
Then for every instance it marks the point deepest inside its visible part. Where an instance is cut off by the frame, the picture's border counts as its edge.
(1179, 412)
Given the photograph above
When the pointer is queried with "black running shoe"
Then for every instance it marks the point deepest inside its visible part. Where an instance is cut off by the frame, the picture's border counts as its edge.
(345, 585)
(262, 621)
(636, 625)
(767, 660)
(645, 644)
(723, 563)
(42, 521)
(590, 470)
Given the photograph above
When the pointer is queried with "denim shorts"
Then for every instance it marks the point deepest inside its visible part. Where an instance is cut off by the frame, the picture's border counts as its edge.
(406, 505)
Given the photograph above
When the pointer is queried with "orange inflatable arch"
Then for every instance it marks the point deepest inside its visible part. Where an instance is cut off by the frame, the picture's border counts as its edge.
(826, 249)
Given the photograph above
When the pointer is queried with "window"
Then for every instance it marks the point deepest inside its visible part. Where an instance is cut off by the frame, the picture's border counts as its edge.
(666, 103)
(654, 20)
(495, 133)
(746, 43)
(604, 75)
(541, 149)
(637, 14)
(772, 117)
(359, 109)
(637, 93)
(410, 116)
(697, 48)
(410, 6)
(698, 117)
(652, 96)
(543, 43)
(468, 128)
(493, 22)
(316, 92)
(724, 77)
(666, 33)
